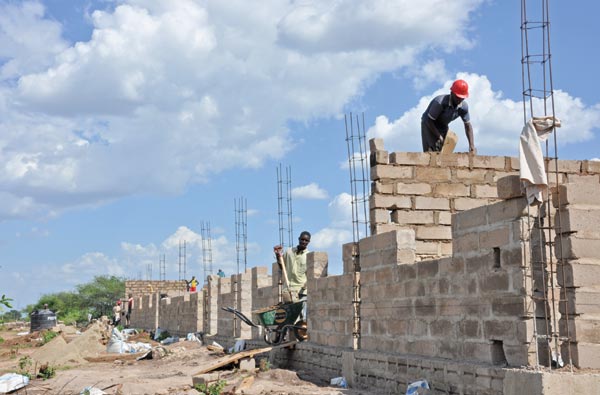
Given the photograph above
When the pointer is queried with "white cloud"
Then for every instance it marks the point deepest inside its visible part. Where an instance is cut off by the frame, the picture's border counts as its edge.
(339, 230)
(433, 71)
(497, 121)
(157, 78)
(310, 191)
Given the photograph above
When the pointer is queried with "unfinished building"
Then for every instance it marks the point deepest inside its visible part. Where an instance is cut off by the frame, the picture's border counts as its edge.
(455, 285)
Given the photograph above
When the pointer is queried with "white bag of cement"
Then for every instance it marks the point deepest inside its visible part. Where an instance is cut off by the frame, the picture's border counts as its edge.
(12, 381)
(92, 391)
(418, 387)
(339, 382)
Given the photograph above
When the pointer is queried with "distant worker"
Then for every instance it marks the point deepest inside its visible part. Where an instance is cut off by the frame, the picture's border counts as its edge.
(294, 266)
(129, 310)
(117, 313)
(221, 273)
(442, 110)
(193, 284)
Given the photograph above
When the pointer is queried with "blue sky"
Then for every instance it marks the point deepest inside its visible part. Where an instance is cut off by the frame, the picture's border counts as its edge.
(124, 125)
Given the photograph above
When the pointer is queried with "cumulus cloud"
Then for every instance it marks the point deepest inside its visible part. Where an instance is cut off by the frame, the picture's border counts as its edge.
(497, 121)
(339, 230)
(194, 89)
(310, 191)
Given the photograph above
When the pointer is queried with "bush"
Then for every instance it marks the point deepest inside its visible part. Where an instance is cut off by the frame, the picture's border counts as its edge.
(47, 336)
(212, 389)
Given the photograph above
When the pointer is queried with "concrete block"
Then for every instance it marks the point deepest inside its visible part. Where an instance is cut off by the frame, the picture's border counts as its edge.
(565, 166)
(497, 237)
(576, 194)
(591, 166)
(450, 160)
(349, 250)
(379, 216)
(581, 179)
(386, 188)
(431, 203)
(432, 248)
(493, 282)
(410, 158)
(452, 190)
(404, 217)
(376, 144)
(472, 218)
(417, 188)
(575, 248)
(509, 306)
(247, 365)
(391, 172)
(471, 176)
(580, 301)
(316, 264)
(579, 273)
(390, 202)
(509, 187)
(580, 329)
(499, 329)
(507, 210)
(433, 233)
(465, 243)
(429, 174)
(484, 191)
(470, 329)
(489, 162)
(462, 204)
(379, 158)
(443, 218)
(514, 163)
(575, 219)
(477, 351)
(427, 269)
(584, 355)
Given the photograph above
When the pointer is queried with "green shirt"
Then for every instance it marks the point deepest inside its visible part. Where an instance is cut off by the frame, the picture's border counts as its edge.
(295, 265)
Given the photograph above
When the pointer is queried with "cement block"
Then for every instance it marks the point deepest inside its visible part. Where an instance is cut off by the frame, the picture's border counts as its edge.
(450, 160)
(462, 204)
(429, 174)
(507, 210)
(410, 158)
(436, 232)
(389, 202)
(484, 191)
(379, 216)
(452, 190)
(391, 172)
(489, 162)
(471, 176)
(465, 243)
(379, 157)
(247, 365)
(591, 166)
(583, 221)
(443, 218)
(580, 329)
(565, 166)
(576, 194)
(584, 355)
(509, 187)
(376, 144)
(417, 188)
(575, 248)
(386, 188)
(579, 273)
(404, 217)
(494, 237)
(580, 301)
(431, 203)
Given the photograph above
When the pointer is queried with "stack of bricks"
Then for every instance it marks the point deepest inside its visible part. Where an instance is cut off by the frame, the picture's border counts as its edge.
(578, 243)
(139, 288)
(422, 190)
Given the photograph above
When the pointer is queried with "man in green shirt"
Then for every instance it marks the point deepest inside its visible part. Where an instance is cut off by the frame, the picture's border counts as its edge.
(294, 261)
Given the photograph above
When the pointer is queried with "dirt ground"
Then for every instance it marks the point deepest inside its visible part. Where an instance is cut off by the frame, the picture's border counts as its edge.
(80, 360)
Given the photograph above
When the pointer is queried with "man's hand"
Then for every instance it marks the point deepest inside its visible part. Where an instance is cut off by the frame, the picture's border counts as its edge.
(278, 251)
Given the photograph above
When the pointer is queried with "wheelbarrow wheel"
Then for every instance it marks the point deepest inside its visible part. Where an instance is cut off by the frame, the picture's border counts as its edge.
(300, 331)
(272, 337)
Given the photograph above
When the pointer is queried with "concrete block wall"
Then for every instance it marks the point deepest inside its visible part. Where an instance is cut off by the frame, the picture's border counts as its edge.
(179, 315)
(142, 287)
(578, 242)
(422, 190)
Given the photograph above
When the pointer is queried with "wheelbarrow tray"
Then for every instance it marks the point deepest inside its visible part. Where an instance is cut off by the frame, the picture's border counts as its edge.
(281, 314)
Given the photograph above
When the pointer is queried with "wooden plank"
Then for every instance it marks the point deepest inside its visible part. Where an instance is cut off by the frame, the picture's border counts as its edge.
(243, 354)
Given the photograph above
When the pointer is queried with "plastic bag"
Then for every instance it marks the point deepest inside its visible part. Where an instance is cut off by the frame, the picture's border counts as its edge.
(418, 387)
(12, 381)
(339, 382)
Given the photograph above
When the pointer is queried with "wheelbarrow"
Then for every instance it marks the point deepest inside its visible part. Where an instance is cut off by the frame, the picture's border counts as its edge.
(277, 321)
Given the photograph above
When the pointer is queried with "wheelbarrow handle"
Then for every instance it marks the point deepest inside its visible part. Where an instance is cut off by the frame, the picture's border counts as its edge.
(281, 263)
(240, 316)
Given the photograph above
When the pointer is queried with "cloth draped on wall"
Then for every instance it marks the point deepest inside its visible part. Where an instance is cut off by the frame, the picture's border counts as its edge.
(531, 158)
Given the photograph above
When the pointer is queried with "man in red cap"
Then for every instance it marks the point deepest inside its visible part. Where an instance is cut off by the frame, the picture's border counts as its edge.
(441, 111)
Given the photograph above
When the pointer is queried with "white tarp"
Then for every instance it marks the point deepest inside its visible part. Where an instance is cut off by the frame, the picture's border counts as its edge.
(12, 381)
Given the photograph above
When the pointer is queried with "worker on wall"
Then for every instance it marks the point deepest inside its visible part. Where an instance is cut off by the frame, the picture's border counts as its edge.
(442, 110)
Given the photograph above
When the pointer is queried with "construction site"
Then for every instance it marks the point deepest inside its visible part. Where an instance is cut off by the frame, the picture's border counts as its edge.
(462, 272)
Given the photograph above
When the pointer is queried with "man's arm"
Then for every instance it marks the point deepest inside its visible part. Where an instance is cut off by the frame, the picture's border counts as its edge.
(469, 133)
(431, 126)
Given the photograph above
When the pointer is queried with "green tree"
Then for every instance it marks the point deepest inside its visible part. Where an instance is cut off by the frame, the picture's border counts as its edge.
(5, 301)
(100, 294)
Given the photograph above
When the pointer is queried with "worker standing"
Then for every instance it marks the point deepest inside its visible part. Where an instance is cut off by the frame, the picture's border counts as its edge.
(294, 261)
(442, 110)
(117, 313)
(129, 311)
